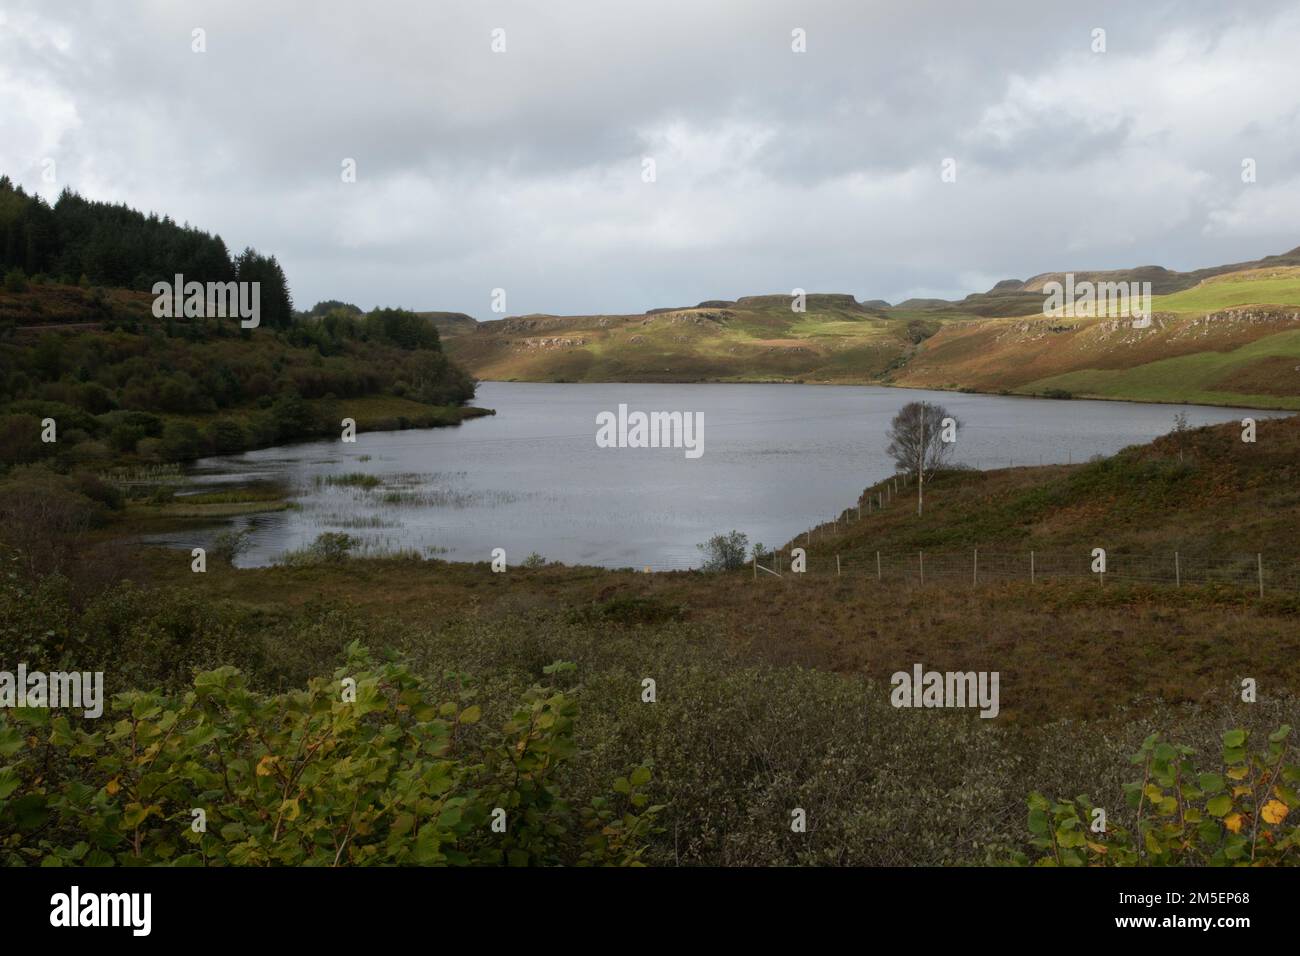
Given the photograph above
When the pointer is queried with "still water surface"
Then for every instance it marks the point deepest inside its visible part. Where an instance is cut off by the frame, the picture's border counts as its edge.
(777, 459)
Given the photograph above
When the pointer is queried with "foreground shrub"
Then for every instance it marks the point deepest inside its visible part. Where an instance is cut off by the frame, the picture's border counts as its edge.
(736, 744)
(364, 768)
(228, 545)
(1236, 817)
(42, 512)
(330, 547)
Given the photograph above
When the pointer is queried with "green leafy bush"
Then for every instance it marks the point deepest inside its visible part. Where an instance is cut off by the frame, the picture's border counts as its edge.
(363, 768)
(724, 552)
(181, 441)
(1232, 816)
(225, 436)
(629, 609)
(330, 547)
(228, 545)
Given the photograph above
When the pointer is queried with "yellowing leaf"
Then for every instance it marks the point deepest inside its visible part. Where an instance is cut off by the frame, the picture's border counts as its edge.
(1274, 811)
(264, 766)
(1233, 822)
(1237, 773)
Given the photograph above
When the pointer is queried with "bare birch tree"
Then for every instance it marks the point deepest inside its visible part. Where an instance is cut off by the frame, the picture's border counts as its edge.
(916, 442)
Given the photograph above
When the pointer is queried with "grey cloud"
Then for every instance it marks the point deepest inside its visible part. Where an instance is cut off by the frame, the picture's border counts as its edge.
(522, 170)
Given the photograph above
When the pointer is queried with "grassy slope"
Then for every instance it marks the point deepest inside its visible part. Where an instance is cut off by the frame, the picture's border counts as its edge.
(1208, 490)
(753, 340)
(1277, 286)
(1261, 372)
(1230, 340)
(1207, 378)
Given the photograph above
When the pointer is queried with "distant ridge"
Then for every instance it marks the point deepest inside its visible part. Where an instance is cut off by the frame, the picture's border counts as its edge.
(1013, 297)
(450, 323)
(1225, 335)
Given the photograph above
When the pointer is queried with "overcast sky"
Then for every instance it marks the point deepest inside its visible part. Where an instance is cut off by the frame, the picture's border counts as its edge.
(523, 169)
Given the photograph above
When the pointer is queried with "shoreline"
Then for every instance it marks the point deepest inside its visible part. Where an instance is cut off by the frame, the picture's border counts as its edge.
(915, 388)
(183, 515)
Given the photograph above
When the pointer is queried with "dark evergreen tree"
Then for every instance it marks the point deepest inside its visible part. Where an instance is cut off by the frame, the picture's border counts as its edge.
(276, 302)
(114, 245)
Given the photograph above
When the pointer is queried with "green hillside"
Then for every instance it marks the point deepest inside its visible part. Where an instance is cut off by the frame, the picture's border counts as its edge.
(1278, 286)
(1195, 379)
(1219, 336)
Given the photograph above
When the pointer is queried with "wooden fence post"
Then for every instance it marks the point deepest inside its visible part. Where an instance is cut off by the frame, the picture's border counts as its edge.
(1259, 557)
(878, 577)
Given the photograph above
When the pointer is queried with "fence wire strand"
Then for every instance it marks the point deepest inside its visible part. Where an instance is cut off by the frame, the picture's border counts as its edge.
(976, 567)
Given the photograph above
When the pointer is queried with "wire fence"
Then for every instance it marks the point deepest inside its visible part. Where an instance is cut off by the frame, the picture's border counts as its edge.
(1254, 572)
(824, 552)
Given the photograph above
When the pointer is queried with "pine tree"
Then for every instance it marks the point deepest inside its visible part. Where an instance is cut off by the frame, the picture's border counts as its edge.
(112, 244)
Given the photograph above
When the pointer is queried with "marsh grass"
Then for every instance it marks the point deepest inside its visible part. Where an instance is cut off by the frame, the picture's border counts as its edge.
(445, 498)
(355, 479)
(336, 519)
(254, 492)
(413, 490)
